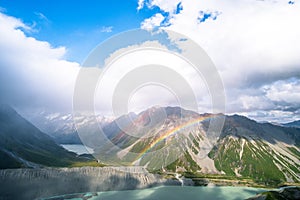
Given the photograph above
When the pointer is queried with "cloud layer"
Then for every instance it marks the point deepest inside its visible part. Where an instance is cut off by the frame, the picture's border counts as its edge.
(32, 73)
(254, 44)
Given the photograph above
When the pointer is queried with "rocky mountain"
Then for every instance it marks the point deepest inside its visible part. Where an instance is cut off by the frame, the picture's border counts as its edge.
(175, 139)
(265, 152)
(61, 126)
(295, 124)
(24, 145)
(287, 193)
(165, 139)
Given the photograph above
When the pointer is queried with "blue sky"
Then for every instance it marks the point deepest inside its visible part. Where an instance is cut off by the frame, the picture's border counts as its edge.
(80, 25)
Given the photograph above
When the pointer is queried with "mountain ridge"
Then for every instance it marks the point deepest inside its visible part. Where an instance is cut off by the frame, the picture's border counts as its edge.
(295, 124)
(24, 145)
(243, 148)
(178, 140)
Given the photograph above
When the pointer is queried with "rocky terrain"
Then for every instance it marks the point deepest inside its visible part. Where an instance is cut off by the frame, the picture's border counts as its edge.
(37, 183)
(289, 193)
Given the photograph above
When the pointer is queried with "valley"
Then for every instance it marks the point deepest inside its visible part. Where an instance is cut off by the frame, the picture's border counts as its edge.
(149, 149)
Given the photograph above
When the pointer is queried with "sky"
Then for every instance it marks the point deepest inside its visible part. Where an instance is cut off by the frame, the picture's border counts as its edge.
(62, 23)
(254, 45)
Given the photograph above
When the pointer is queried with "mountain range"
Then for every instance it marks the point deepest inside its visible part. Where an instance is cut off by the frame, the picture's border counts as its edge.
(61, 127)
(165, 139)
(295, 124)
(178, 140)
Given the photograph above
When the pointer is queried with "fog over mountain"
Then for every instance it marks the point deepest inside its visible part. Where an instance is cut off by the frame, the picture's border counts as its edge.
(61, 126)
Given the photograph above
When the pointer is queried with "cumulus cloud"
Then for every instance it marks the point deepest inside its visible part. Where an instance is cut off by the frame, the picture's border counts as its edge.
(152, 22)
(155, 92)
(284, 91)
(140, 4)
(33, 74)
(252, 43)
(254, 102)
(166, 6)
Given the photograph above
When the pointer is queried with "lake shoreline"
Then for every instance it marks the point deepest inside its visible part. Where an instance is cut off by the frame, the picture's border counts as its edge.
(47, 182)
(25, 183)
(168, 192)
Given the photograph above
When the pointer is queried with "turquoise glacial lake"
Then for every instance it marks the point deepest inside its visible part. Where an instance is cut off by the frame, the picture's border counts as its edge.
(169, 192)
(78, 148)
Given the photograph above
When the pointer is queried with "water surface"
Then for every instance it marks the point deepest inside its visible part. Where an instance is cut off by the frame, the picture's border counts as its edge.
(78, 148)
(170, 192)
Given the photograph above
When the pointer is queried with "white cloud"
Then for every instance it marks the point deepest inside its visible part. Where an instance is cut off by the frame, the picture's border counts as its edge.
(167, 6)
(152, 22)
(106, 29)
(140, 4)
(284, 91)
(252, 43)
(125, 61)
(254, 102)
(32, 73)
(12, 22)
(276, 116)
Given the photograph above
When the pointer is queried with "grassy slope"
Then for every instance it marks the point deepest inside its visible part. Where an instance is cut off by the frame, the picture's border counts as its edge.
(258, 161)
(8, 162)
